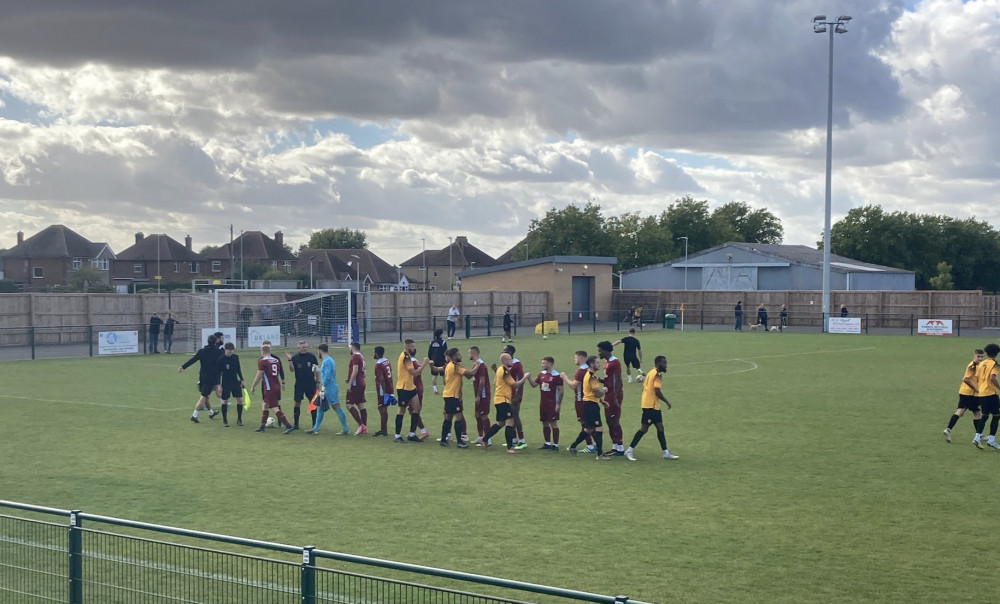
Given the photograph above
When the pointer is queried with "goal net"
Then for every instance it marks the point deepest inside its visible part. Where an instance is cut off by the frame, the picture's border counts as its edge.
(283, 316)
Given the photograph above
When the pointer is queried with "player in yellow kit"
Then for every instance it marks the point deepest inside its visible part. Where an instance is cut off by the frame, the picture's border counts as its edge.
(967, 399)
(652, 394)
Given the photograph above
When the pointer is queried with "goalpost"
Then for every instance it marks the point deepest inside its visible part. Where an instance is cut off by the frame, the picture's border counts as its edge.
(251, 316)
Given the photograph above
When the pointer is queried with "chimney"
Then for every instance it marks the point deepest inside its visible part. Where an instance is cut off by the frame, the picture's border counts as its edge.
(462, 240)
(279, 238)
(187, 242)
(20, 237)
(139, 237)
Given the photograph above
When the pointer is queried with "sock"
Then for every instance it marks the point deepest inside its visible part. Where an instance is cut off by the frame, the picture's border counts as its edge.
(590, 440)
(263, 417)
(399, 424)
(629, 450)
(547, 432)
(342, 417)
(952, 421)
(491, 432)
(994, 424)
(355, 414)
(459, 428)
(225, 413)
(445, 429)
(579, 439)
(313, 414)
(282, 419)
(296, 413)
(195, 414)
(555, 436)
(663, 441)
(414, 422)
(979, 424)
(384, 419)
(364, 417)
(599, 441)
(319, 418)
(508, 434)
(420, 423)
(482, 426)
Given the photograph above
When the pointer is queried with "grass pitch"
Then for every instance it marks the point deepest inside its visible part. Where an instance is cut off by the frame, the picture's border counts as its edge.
(812, 469)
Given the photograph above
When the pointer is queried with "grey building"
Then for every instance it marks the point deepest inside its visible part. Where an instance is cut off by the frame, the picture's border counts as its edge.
(758, 266)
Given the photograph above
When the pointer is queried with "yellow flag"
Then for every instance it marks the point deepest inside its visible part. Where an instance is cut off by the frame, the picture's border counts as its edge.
(246, 398)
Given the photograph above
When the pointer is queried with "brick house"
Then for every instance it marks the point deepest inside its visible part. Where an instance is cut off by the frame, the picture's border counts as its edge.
(442, 266)
(341, 269)
(251, 247)
(157, 254)
(50, 257)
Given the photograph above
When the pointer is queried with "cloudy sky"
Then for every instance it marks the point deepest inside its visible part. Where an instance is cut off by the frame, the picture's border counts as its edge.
(423, 119)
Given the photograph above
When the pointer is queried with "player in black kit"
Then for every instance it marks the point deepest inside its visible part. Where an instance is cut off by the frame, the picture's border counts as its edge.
(304, 365)
(208, 376)
(232, 383)
(632, 356)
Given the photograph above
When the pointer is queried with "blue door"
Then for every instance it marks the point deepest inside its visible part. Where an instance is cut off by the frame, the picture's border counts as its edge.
(581, 297)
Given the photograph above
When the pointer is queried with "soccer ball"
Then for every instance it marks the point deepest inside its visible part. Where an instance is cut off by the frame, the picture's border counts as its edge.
(545, 337)
(640, 377)
(270, 422)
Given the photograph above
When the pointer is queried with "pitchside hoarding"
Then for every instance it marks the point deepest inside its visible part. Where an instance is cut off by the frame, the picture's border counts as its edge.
(934, 327)
(844, 325)
(118, 342)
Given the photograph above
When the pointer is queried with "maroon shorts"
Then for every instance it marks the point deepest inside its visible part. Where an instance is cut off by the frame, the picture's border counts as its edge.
(579, 410)
(482, 406)
(547, 412)
(355, 395)
(612, 411)
(272, 399)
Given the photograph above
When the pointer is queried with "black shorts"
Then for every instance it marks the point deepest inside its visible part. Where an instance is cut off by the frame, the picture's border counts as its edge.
(304, 391)
(632, 361)
(504, 412)
(405, 396)
(651, 417)
(233, 390)
(452, 405)
(990, 404)
(968, 401)
(205, 388)
(591, 415)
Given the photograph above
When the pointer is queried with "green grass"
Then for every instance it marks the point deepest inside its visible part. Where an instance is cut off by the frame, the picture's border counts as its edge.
(812, 469)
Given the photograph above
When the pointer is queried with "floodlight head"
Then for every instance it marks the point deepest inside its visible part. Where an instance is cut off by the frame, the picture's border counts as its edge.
(819, 29)
(844, 18)
(840, 29)
(819, 18)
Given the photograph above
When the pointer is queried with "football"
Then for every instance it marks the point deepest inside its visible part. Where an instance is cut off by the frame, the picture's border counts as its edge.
(545, 337)
(270, 422)
(640, 377)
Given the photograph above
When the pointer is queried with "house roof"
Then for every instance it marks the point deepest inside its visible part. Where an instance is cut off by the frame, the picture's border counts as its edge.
(56, 241)
(253, 245)
(795, 254)
(170, 250)
(459, 253)
(333, 264)
(97, 249)
(535, 261)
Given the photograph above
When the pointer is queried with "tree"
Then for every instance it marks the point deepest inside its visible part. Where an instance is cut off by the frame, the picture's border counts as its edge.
(943, 278)
(569, 231)
(640, 241)
(86, 277)
(7, 286)
(747, 224)
(341, 238)
(689, 218)
(208, 249)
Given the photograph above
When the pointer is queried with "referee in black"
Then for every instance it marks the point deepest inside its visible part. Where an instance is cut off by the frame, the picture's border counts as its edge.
(632, 356)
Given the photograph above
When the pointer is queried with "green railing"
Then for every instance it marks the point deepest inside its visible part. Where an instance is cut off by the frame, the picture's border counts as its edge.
(103, 560)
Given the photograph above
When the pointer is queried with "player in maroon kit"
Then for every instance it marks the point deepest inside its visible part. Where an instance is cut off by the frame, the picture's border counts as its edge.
(481, 387)
(383, 389)
(269, 374)
(613, 397)
(551, 386)
(581, 371)
(356, 389)
(517, 395)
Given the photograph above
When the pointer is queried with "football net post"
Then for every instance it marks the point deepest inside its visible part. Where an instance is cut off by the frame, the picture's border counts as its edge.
(283, 316)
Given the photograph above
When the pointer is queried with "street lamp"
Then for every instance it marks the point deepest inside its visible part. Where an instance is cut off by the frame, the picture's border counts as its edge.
(451, 265)
(423, 247)
(159, 276)
(685, 262)
(619, 275)
(358, 263)
(311, 272)
(822, 26)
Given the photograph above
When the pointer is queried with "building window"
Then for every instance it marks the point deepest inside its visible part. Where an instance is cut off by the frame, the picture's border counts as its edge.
(288, 266)
(38, 272)
(435, 273)
(177, 267)
(216, 266)
(193, 268)
(77, 263)
(101, 264)
(137, 268)
(274, 264)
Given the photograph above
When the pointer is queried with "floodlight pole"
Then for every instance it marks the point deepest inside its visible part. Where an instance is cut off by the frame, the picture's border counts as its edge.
(821, 25)
(685, 262)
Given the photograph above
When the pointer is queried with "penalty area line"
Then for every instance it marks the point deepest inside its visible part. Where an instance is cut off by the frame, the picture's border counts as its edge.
(113, 406)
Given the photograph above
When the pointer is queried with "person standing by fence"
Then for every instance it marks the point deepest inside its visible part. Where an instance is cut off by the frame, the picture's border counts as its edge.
(453, 314)
(507, 325)
(783, 318)
(762, 316)
(155, 322)
(168, 333)
(739, 315)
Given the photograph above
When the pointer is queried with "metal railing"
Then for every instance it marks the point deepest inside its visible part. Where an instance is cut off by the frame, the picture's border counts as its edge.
(92, 559)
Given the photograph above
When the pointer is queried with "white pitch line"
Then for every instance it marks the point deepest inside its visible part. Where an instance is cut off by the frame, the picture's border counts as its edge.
(48, 400)
(755, 366)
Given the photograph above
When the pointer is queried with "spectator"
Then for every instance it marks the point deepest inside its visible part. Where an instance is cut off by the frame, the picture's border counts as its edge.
(843, 310)
(739, 315)
(168, 333)
(154, 333)
(762, 316)
(265, 314)
(453, 314)
(783, 318)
